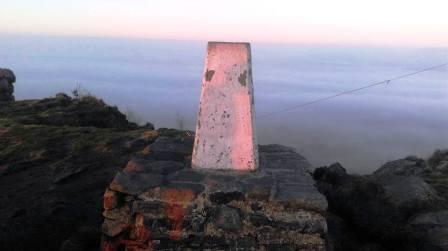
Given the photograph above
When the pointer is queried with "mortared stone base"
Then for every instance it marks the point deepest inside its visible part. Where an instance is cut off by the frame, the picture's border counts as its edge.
(156, 203)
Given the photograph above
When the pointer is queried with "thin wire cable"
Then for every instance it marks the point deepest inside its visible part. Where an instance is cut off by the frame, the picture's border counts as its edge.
(387, 81)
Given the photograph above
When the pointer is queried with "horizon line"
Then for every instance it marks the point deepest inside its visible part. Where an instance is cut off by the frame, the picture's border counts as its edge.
(170, 39)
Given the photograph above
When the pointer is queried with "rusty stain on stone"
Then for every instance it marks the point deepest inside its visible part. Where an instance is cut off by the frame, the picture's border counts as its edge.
(209, 75)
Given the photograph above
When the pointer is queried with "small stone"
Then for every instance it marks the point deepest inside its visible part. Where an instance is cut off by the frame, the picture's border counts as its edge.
(228, 219)
(300, 197)
(195, 221)
(151, 209)
(298, 177)
(113, 228)
(215, 184)
(259, 188)
(122, 213)
(110, 245)
(140, 233)
(134, 145)
(302, 221)
(272, 237)
(225, 197)
(281, 247)
(272, 161)
(136, 165)
(110, 199)
(255, 207)
(151, 134)
(140, 165)
(260, 220)
(164, 167)
(216, 243)
(163, 242)
(177, 195)
(195, 240)
(182, 186)
(171, 148)
(246, 243)
(65, 170)
(135, 184)
(269, 236)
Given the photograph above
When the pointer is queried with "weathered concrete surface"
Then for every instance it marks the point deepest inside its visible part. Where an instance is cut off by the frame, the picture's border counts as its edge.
(225, 133)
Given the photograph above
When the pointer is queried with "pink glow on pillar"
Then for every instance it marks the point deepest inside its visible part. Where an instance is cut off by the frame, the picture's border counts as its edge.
(225, 133)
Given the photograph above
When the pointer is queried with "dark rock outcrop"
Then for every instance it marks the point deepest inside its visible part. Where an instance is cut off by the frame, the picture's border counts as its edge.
(432, 229)
(362, 205)
(410, 194)
(56, 157)
(7, 78)
(409, 166)
(402, 206)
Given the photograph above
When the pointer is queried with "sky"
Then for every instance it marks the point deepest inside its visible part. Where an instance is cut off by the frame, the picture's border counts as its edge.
(421, 23)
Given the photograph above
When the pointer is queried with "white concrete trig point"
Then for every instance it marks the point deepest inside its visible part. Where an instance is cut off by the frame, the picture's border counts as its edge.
(225, 131)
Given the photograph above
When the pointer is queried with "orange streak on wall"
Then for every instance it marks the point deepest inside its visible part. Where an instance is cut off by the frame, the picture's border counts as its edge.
(175, 210)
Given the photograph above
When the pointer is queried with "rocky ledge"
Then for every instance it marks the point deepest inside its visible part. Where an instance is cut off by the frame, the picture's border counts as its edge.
(57, 155)
(157, 202)
(401, 206)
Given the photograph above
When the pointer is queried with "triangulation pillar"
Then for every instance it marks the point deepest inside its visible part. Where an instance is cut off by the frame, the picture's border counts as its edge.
(225, 131)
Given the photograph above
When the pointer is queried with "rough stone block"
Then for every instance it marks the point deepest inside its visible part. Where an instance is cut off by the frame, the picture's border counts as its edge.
(228, 219)
(298, 196)
(170, 148)
(110, 199)
(225, 132)
(135, 183)
(141, 165)
(113, 228)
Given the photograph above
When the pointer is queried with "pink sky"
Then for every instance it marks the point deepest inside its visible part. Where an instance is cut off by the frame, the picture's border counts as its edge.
(349, 22)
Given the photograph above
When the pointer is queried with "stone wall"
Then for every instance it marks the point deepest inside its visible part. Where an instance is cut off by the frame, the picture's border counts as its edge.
(7, 78)
(157, 202)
